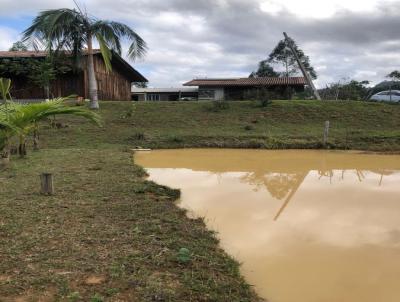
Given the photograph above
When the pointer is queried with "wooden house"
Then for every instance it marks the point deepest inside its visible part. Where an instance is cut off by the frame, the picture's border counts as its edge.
(113, 85)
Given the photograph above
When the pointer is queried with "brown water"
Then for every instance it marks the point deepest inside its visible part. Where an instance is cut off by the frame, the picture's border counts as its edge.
(308, 226)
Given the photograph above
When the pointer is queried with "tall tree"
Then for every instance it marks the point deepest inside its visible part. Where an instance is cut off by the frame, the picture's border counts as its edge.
(264, 70)
(75, 30)
(18, 46)
(282, 54)
(394, 75)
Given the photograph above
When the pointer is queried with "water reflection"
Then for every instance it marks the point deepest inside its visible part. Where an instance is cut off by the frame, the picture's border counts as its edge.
(308, 226)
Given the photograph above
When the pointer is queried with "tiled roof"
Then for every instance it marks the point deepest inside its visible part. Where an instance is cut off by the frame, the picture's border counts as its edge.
(265, 81)
(28, 54)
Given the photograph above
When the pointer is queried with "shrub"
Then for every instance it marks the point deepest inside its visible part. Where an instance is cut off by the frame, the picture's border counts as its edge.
(218, 106)
(139, 136)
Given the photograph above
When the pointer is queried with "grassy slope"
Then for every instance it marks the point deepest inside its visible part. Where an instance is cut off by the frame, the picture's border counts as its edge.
(283, 124)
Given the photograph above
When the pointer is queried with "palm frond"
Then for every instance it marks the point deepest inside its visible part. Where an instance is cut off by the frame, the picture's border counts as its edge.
(105, 52)
(21, 117)
(114, 32)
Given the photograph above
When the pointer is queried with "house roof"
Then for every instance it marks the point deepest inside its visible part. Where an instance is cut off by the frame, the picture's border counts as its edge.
(116, 61)
(164, 90)
(264, 81)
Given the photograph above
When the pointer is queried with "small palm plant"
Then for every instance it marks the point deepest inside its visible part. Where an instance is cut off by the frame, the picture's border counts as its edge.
(20, 120)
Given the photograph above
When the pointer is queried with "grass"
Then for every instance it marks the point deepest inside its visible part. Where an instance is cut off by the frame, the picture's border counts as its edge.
(106, 235)
(110, 235)
(282, 124)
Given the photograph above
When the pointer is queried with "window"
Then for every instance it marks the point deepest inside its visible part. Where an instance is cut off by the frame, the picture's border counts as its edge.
(206, 94)
(153, 97)
(383, 93)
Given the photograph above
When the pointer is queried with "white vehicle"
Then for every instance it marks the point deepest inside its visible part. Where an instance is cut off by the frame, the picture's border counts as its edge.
(387, 96)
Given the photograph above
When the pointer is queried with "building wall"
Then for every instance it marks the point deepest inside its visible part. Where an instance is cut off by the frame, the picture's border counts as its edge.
(247, 93)
(112, 85)
(211, 93)
(163, 96)
(65, 85)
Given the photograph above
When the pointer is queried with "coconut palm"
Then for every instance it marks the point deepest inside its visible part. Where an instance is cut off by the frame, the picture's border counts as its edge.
(20, 120)
(76, 31)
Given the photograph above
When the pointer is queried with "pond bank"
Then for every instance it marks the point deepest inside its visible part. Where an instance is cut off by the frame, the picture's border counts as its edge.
(106, 233)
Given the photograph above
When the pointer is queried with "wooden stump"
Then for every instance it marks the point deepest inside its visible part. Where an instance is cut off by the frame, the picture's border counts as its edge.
(47, 186)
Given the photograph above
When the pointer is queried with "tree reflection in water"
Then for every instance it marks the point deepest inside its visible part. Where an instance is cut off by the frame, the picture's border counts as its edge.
(283, 186)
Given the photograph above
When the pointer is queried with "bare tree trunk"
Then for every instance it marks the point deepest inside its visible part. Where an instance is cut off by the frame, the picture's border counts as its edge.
(47, 88)
(22, 146)
(93, 90)
(5, 154)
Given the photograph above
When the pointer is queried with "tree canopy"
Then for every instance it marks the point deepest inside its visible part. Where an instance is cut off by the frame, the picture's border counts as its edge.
(264, 70)
(394, 75)
(18, 46)
(282, 55)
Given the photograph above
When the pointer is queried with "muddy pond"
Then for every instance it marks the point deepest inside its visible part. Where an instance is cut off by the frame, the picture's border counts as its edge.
(307, 226)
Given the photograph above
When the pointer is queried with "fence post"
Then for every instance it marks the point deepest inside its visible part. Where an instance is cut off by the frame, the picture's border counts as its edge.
(326, 132)
(47, 186)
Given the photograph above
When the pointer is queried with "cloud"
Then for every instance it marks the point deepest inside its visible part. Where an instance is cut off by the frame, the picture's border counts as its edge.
(7, 37)
(215, 38)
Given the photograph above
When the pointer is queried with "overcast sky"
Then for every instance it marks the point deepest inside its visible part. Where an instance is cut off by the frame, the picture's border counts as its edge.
(357, 39)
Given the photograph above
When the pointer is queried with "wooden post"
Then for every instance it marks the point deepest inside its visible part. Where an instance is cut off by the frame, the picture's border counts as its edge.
(302, 68)
(326, 132)
(47, 186)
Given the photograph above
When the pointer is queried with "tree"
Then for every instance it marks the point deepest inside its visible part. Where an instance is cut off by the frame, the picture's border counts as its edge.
(140, 84)
(76, 31)
(42, 74)
(18, 46)
(346, 90)
(394, 75)
(282, 54)
(264, 70)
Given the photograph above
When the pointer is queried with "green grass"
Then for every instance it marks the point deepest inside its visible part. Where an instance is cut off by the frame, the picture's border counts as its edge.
(283, 124)
(110, 235)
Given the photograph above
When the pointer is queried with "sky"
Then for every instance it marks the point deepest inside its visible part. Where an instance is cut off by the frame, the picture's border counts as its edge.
(345, 39)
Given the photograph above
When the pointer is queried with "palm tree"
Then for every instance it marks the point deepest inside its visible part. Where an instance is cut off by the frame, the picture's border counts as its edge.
(76, 31)
(20, 120)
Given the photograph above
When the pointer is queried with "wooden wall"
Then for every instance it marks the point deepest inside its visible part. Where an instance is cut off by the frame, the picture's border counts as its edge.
(65, 85)
(113, 86)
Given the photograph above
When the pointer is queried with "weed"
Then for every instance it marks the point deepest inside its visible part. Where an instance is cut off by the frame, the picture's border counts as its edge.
(96, 298)
(139, 136)
(218, 106)
(74, 297)
(184, 255)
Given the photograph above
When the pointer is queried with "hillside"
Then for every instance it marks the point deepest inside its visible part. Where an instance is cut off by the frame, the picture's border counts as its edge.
(282, 124)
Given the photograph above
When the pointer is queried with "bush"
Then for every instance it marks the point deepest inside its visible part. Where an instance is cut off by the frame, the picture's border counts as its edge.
(139, 136)
(218, 106)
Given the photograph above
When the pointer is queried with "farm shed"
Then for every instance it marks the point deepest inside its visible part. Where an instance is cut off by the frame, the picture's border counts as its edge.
(113, 85)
